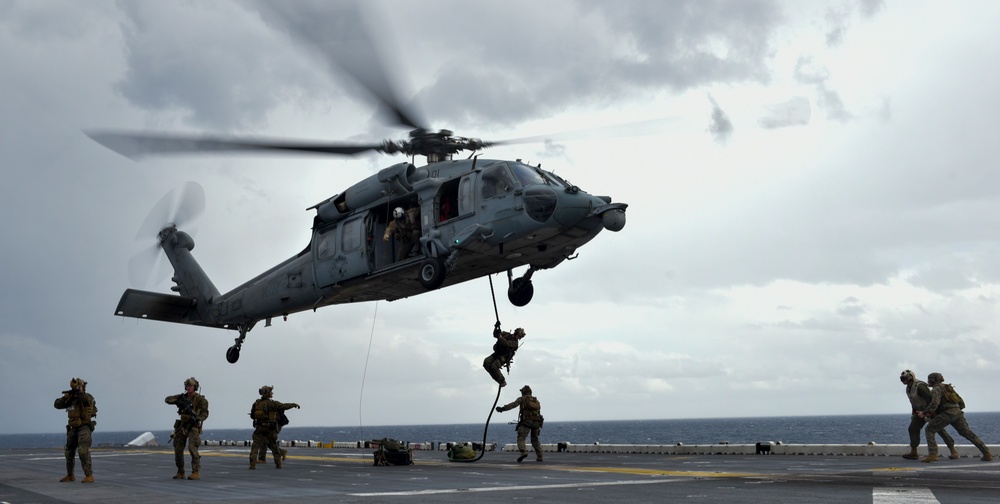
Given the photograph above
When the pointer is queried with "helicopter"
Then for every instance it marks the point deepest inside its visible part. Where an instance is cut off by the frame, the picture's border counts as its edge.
(476, 217)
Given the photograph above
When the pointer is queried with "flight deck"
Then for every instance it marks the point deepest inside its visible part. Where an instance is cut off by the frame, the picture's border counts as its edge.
(348, 475)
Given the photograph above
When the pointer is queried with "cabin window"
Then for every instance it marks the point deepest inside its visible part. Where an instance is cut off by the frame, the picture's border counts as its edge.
(497, 181)
(527, 175)
(352, 235)
(466, 195)
(327, 245)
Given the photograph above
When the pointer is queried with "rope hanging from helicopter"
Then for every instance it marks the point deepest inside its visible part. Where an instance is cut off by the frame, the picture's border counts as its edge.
(486, 429)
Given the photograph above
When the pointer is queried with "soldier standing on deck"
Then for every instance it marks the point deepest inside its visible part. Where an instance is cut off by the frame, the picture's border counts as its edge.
(919, 395)
(193, 409)
(945, 409)
(265, 413)
(530, 419)
(81, 408)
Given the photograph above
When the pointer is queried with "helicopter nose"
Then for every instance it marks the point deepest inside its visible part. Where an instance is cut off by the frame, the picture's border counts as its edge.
(572, 208)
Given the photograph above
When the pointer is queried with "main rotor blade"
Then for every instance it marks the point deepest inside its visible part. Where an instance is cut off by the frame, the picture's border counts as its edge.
(342, 35)
(632, 129)
(137, 145)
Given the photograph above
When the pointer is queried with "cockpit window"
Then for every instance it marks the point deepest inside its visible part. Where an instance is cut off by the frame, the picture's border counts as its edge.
(497, 181)
(527, 175)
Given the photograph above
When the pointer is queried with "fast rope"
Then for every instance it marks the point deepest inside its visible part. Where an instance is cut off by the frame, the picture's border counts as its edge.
(371, 337)
(495, 401)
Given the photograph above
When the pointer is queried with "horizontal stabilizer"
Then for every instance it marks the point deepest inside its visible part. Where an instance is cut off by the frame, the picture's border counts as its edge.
(163, 307)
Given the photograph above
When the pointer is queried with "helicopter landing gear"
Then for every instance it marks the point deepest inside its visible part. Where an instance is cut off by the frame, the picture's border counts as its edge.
(432, 272)
(520, 290)
(233, 353)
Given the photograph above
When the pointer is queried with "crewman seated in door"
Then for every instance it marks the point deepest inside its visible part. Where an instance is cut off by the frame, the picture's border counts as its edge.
(405, 226)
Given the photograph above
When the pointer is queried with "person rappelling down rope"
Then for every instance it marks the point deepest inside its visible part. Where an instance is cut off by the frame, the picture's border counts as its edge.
(503, 352)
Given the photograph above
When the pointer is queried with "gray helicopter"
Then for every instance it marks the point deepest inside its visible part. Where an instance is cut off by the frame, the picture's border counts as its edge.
(476, 217)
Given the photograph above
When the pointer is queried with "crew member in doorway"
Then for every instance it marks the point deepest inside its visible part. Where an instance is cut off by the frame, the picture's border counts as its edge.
(529, 419)
(405, 226)
(503, 352)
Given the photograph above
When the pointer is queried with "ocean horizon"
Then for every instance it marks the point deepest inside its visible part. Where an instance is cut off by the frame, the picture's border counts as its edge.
(839, 429)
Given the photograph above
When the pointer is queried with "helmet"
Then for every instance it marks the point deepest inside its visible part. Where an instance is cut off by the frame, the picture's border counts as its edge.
(266, 390)
(398, 213)
(907, 376)
(519, 332)
(525, 389)
(77, 382)
(934, 378)
(191, 381)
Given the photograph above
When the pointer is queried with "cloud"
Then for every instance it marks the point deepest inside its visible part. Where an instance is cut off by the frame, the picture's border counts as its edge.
(794, 112)
(720, 126)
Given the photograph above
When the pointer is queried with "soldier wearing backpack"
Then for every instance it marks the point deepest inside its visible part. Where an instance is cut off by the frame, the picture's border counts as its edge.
(945, 409)
(530, 419)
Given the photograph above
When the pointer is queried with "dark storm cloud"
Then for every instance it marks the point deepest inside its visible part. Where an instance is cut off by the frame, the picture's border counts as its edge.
(598, 52)
(213, 65)
(222, 67)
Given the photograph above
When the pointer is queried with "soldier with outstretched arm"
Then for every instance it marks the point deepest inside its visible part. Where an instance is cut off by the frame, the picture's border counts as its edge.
(193, 410)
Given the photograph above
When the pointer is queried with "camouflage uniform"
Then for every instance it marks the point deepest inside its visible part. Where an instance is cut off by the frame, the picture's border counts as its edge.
(187, 429)
(406, 230)
(503, 352)
(81, 409)
(530, 419)
(265, 412)
(942, 414)
(919, 395)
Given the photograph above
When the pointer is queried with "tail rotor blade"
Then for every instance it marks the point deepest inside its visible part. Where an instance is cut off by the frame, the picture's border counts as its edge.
(190, 204)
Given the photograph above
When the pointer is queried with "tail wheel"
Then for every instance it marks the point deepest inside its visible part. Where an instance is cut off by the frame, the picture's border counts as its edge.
(432, 272)
(233, 354)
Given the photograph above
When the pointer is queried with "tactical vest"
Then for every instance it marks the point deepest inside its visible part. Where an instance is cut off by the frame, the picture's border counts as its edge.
(263, 412)
(531, 410)
(81, 414)
(919, 403)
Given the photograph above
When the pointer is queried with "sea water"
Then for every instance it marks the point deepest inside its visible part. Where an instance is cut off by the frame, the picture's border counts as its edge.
(845, 429)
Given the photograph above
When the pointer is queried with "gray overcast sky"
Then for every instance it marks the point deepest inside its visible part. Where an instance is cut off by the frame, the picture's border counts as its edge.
(816, 211)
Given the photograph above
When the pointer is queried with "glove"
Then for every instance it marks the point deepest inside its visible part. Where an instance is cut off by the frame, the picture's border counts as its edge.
(497, 325)
(295, 405)
(499, 409)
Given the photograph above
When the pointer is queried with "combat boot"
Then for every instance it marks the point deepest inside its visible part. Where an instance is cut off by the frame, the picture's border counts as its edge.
(284, 454)
(522, 457)
(931, 457)
(179, 475)
(68, 477)
(912, 455)
(194, 476)
(253, 465)
(987, 456)
(88, 479)
(954, 454)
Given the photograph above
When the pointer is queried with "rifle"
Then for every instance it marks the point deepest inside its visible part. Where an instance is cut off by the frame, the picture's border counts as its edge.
(184, 407)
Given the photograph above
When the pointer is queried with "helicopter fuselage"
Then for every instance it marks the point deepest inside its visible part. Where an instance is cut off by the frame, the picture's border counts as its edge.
(476, 218)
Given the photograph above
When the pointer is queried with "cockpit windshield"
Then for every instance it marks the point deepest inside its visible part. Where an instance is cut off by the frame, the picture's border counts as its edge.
(527, 175)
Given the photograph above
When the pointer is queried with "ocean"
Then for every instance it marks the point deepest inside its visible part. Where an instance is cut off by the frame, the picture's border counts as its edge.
(845, 429)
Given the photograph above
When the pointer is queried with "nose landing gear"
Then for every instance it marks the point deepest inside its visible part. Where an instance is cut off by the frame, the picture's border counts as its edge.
(520, 290)
(233, 353)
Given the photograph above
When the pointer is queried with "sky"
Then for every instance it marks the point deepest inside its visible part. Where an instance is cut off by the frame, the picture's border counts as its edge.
(814, 204)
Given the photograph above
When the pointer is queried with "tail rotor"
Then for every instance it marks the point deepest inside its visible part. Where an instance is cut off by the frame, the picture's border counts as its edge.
(179, 208)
